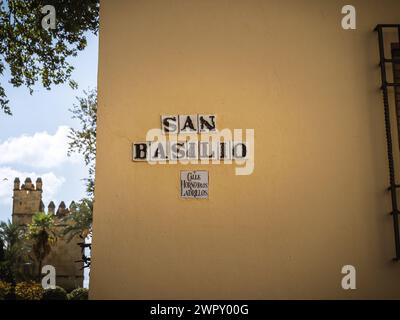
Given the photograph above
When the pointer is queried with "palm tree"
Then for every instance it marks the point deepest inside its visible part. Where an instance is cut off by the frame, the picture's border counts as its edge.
(10, 233)
(13, 249)
(42, 234)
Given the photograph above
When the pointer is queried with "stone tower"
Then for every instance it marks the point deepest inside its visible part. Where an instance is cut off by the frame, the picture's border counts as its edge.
(27, 200)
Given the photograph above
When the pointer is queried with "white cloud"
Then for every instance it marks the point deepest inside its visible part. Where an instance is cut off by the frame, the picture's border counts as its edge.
(51, 184)
(41, 150)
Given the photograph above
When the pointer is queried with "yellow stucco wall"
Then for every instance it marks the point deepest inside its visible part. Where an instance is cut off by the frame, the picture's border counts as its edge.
(316, 200)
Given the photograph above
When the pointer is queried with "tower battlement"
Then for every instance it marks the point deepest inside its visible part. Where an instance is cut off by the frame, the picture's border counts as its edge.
(27, 200)
(28, 185)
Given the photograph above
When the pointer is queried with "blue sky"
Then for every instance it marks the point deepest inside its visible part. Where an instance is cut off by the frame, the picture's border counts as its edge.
(33, 141)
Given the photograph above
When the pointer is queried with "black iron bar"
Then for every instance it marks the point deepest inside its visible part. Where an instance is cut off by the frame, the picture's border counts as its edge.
(394, 60)
(396, 78)
(381, 26)
(389, 142)
(398, 32)
(396, 187)
(389, 84)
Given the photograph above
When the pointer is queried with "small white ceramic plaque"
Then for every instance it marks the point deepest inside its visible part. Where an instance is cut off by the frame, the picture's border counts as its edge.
(194, 184)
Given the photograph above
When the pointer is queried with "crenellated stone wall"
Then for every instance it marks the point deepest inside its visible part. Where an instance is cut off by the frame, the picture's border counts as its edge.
(64, 256)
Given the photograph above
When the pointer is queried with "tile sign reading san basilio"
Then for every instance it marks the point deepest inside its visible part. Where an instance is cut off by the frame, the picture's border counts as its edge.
(193, 184)
(161, 150)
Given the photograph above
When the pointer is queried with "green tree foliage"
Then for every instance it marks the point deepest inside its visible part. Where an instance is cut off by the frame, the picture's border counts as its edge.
(43, 235)
(5, 290)
(83, 140)
(28, 290)
(33, 54)
(79, 224)
(79, 221)
(2, 253)
(79, 294)
(57, 293)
